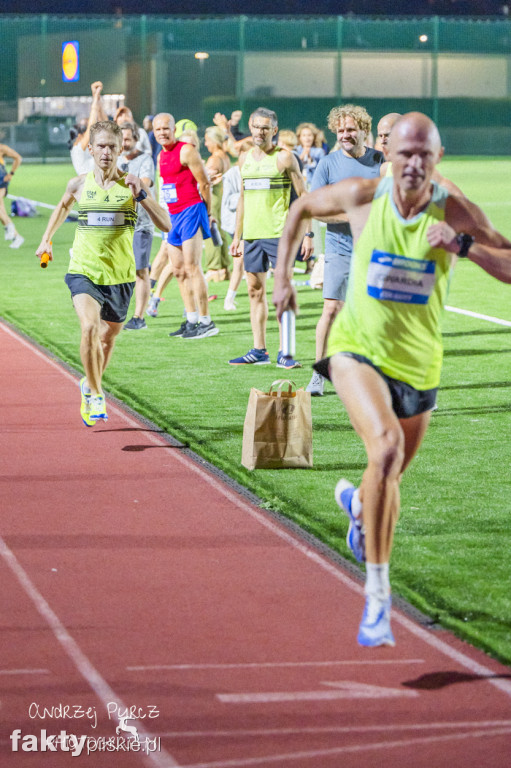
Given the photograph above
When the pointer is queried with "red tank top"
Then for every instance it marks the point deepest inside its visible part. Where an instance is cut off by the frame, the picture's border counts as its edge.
(179, 185)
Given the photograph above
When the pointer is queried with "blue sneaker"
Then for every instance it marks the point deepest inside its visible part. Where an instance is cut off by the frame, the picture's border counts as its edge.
(355, 538)
(287, 362)
(253, 357)
(375, 628)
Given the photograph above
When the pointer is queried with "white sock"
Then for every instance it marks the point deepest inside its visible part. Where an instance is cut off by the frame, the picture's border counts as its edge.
(86, 389)
(230, 295)
(377, 580)
(205, 319)
(192, 317)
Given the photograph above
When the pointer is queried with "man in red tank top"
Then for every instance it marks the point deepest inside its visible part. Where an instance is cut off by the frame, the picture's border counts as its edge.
(186, 191)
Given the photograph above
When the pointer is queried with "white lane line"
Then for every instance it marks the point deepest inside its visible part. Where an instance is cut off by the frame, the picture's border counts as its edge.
(336, 729)
(380, 746)
(337, 690)
(72, 650)
(270, 665)
(311, 554)
(25, 672)
(478, 316)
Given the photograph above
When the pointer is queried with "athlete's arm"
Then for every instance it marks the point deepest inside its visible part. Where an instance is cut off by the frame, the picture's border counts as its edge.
(60, 214)
(288, 162)
(490, 250)
(159, 215)
(236, 248)
(349, 195)
(96, 113)
(190, 157)
(16, 158)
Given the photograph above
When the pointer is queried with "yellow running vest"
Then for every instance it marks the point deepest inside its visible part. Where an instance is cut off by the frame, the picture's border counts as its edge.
(103, 244)
(396, 292)
(266, 195)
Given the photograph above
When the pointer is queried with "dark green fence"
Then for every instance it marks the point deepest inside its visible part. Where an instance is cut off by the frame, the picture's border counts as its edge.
(456, 70)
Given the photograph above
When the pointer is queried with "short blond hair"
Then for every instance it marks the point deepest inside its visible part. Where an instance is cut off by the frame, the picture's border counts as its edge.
(360, 115)
(190, 137)
(289, 138)
(109, 127)
(215, 134)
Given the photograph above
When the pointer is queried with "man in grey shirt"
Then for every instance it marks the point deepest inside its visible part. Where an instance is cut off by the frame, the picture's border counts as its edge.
(352, 125)
(141, 164)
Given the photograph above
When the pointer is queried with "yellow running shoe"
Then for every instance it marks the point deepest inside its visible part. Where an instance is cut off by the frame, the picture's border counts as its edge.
(98, 408)
(85, 405)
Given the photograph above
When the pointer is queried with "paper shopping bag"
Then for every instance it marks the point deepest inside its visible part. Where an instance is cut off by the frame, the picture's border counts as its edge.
(278, 428)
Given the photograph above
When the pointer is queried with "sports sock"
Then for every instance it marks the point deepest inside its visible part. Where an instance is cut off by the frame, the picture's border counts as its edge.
(377, 580)
(192, 317)
(205, 319)
(231, 295)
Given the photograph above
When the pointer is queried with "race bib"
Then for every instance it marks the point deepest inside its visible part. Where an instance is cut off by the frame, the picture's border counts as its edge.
(105, 218)
(400, 278)
(169, 193)
(256, 183)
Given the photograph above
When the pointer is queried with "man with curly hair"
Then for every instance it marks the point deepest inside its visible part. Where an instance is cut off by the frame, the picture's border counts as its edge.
(352, 125)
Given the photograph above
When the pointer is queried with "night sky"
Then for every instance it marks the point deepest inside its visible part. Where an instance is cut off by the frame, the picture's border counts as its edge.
(281, 7)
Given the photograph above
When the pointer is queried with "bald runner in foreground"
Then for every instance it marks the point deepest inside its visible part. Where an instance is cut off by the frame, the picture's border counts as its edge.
(385, 347)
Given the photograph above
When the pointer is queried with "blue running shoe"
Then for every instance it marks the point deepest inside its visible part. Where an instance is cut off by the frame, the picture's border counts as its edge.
(375, 628)
(253, 357)
(287, 362)
(355, 538)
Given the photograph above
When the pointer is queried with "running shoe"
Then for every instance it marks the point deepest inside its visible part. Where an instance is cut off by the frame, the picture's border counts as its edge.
(200, 331)
(152, 307)
(17, 242)
(10, 232)
(356, 538)
(315, 385)
(135, 324)
(85, 404)
(253, 357)
(182, 328)
(375, 628)
(98, 408)
(287, 362)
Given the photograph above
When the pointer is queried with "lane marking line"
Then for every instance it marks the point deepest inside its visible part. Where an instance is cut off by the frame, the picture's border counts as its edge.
(25, 672)
(478, 316)
(429, 638)
(269, 665)
(338, 690)
(80, 661)
(336, 729)
(355, 748)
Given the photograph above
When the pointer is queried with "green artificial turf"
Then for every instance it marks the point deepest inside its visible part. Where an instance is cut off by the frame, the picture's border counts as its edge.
(451, 553)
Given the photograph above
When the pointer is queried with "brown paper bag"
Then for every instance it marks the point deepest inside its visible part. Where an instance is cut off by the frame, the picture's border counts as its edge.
(278, 428)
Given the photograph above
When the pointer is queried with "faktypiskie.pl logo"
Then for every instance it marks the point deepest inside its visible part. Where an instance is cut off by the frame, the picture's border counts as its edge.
(127, 723)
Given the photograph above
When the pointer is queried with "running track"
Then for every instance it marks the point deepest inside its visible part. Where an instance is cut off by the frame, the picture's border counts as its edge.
(132, 576)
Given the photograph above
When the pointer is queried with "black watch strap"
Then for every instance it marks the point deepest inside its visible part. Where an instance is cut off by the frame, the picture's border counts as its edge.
(309, 234)
(142, 196)
(464, 241)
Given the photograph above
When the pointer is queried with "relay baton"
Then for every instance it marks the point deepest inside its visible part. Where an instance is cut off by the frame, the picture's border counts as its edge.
(288, 333)
(45, 259)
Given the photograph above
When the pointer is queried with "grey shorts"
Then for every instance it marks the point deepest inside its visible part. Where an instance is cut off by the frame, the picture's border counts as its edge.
(114, 300)
(260, 255)
(335, 275)
(142, 241)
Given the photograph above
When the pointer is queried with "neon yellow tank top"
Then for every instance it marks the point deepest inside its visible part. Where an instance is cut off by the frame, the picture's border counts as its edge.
(396, 292)
(266, 196)
(103, 244)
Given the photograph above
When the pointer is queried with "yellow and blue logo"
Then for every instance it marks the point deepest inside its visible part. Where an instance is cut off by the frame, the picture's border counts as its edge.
(71, 61)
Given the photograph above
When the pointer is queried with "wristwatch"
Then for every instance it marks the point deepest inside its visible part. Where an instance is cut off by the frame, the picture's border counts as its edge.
(309, 234)
(142, 196)
(464, 242)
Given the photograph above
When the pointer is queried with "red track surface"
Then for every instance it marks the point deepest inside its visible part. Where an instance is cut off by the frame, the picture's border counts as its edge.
(130, 574)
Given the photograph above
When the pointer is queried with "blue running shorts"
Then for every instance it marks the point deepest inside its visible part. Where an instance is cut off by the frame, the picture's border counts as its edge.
(186, 223)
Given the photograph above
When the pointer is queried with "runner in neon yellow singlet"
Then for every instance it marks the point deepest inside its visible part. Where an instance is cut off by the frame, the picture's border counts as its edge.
(385, 349)
(102, 270)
